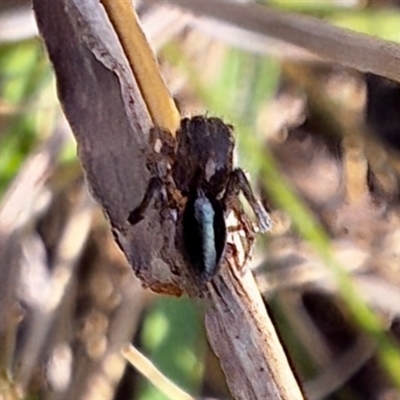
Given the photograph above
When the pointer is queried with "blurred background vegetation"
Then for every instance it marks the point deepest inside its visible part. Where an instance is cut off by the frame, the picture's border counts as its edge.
(327, 134)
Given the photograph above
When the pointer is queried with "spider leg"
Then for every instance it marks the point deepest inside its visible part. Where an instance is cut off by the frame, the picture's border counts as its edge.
(238, 182)
(162, 142)
(245, 225)
(162, 146)
(154, 186)
(231, 201)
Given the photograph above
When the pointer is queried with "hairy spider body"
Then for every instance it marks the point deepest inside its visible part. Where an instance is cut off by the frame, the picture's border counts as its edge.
(202, 171)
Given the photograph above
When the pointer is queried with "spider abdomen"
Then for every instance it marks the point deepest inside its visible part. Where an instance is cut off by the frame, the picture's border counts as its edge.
(204, 233)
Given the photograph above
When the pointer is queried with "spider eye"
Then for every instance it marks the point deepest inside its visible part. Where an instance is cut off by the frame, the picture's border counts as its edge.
(204, 233)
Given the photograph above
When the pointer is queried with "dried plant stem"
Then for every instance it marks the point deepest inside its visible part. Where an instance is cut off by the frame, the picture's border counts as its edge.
(339, 45)
(159, 102)
(149, 370)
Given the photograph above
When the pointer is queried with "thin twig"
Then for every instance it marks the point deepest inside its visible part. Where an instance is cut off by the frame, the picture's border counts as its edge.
(156, 377)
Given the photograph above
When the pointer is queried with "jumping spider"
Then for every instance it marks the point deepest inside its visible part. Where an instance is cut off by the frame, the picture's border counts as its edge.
(201, 171)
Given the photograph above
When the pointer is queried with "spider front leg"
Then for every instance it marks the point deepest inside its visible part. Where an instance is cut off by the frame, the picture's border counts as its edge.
(162, 144)
(237, 183)
(162, 148)
(172, 199)
(153, 188)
